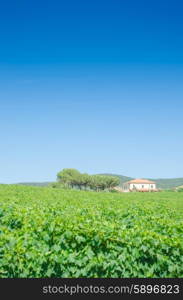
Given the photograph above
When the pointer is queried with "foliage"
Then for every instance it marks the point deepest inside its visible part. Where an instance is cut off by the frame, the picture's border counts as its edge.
(46, 232)
(73, 178)
(69, 176)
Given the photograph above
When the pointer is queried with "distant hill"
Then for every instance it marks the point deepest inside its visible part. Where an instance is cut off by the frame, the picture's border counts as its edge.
(168, 183)
(162, 183)
(121, 177)
(34, 183)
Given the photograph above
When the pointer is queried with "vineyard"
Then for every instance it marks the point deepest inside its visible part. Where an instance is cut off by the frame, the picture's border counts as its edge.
(46, 232)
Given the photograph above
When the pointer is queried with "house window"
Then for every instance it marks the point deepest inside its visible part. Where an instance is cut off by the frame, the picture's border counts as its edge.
(142, 186)
(152, 186)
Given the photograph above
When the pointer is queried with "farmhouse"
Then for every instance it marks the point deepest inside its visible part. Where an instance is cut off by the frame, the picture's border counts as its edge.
(139, 185)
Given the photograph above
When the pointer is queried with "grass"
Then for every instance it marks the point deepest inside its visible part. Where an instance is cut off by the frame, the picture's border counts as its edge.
(46, 232)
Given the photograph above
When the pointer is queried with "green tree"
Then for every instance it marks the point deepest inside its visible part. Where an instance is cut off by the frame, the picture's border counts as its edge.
(85, 180)
(73, 178)
(69, 177)
(112, 181)
(97, 182)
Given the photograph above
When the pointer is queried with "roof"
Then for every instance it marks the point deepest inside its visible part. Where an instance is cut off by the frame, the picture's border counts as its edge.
(141, 181)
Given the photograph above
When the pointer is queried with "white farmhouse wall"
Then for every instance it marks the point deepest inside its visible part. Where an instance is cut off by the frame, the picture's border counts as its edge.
(139, 186)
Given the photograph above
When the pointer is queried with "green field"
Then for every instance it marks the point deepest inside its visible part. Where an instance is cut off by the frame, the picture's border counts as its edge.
(47, 232)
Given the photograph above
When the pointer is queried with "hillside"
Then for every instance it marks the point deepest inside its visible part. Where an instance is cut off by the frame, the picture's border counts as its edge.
(121, 177)
(168, 183)
(162, 183)
(34, 183)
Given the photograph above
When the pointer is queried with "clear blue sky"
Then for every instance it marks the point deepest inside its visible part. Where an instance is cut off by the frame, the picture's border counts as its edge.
(93, 85)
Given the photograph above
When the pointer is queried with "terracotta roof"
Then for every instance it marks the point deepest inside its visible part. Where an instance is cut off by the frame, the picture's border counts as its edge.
(141, 181)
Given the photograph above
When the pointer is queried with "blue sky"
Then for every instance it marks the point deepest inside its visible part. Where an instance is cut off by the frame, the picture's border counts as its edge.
(93, 85)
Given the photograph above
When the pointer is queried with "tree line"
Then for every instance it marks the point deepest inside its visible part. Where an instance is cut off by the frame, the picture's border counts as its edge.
(72, 178)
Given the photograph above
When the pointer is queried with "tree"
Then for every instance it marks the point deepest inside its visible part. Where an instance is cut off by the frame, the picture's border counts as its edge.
(69, 176)
(85, 180)
(73, 178)
(98, 182)
(112, 181)
(102, 182)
